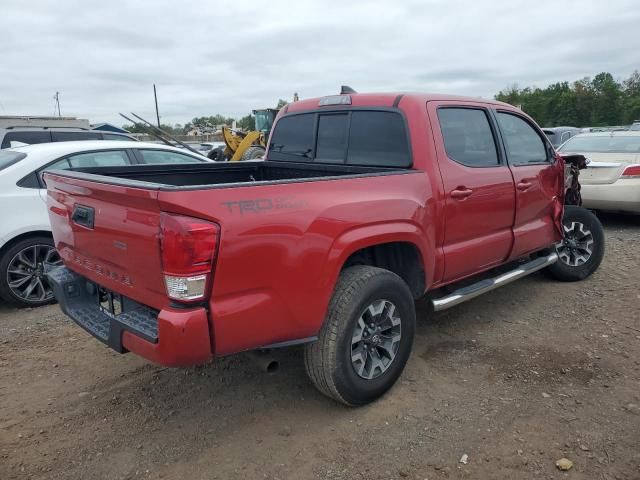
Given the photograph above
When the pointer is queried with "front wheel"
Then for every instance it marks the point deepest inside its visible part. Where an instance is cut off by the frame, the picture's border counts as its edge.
(582, 249)
(366, 339)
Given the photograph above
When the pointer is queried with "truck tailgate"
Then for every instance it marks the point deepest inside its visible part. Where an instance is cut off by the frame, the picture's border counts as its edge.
(109, 234)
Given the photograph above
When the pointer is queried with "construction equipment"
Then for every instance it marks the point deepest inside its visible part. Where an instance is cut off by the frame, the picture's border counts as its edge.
(241, 145)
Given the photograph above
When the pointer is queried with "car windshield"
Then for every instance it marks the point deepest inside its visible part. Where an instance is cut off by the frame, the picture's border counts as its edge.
(602, 144)
(8, 157)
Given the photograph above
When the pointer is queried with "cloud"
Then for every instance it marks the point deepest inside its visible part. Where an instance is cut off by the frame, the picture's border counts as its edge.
(229, 57)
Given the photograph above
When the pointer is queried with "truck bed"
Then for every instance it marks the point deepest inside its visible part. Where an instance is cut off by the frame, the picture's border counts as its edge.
(216, 175)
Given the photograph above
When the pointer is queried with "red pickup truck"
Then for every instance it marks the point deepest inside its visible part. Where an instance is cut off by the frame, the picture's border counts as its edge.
(364, 203)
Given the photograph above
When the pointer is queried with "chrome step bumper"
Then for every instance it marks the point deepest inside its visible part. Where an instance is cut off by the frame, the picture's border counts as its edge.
(483, 286)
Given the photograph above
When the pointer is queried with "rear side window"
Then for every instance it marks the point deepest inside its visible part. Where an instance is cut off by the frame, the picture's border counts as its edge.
(468, 138)
(8, 158)
(30, 138)
(361, 137)
(293, 138)
(74, 136)
(161, 157)
(115, 158)
(524, 145)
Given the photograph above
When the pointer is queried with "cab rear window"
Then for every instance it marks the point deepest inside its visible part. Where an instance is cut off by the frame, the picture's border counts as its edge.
(354, 137)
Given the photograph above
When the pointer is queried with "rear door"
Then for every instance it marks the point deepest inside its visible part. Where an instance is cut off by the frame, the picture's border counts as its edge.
(538, 183)
(479, 202)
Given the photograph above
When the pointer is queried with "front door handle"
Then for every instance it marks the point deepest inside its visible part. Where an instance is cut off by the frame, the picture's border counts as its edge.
(461, 193)
(524, 185)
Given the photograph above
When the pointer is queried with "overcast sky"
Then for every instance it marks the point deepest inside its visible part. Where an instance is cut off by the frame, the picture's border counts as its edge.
(210, 57)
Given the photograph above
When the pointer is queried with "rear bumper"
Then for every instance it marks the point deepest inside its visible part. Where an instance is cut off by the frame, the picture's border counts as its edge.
(621, 195)
(171, 337)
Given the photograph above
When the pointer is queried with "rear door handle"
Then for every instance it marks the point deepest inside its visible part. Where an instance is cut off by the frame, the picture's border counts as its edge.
(523, 185)
(461, 193)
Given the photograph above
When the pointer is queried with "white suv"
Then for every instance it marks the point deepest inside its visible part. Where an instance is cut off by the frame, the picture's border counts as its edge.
(26, 244)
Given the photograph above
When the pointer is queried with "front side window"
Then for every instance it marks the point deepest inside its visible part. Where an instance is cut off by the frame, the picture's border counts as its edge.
(524, 145)
(468, 138)
(157, 157)
(114, 158)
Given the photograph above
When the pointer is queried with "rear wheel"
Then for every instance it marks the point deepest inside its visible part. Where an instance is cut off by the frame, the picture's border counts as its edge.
(22, 272)
(366, 339)
(582, 249)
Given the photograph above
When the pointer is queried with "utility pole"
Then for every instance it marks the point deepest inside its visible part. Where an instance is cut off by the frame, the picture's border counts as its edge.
(56, 97)
(155, 96)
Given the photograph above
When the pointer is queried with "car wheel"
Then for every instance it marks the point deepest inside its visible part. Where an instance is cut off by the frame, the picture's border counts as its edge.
(366, 339)
(582, 249)
(217, 154)
(22, 272)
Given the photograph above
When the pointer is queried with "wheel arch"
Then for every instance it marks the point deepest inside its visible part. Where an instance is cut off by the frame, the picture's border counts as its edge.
(22, 236)
(398, 247)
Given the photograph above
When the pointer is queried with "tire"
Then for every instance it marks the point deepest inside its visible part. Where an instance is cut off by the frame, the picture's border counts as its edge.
(330, 362)
(253, 153)
(27, 260)
(582, 250)
(217, 154)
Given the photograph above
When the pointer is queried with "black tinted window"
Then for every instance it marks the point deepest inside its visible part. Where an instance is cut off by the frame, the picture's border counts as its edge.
(293, 138)
(378, 138)
(523, 144)
(74, 136)
(29, 138)
(332, 138)
(467, 137)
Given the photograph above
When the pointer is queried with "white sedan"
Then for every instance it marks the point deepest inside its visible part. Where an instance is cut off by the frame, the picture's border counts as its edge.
(26, 244)
(612, 178)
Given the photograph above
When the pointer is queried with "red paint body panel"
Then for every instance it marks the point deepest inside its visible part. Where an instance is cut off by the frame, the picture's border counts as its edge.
(276, 268)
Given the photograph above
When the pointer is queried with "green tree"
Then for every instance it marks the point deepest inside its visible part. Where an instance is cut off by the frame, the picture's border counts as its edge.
(247, 123)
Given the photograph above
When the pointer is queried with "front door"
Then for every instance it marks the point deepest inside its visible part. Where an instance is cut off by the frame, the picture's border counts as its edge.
(479, 202)
(538, 181)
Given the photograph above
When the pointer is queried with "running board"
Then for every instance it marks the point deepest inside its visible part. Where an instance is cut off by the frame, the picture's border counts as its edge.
(483, 286)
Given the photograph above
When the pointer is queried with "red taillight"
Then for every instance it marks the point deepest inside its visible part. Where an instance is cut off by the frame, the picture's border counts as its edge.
(631, 171)
(189, 246)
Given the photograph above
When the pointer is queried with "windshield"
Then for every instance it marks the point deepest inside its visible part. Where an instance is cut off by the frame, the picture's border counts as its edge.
(8, 157)
(602, 144)
(264, 120)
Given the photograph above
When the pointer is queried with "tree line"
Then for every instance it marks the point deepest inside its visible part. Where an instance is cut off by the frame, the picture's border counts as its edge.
(590, 102)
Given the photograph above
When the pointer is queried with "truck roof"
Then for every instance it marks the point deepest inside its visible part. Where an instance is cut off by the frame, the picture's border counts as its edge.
(387, 99)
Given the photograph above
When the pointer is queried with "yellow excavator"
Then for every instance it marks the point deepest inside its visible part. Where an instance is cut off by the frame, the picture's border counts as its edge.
(241, 145)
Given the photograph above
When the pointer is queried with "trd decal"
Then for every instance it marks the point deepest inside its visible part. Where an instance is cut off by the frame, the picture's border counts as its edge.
(260, 205)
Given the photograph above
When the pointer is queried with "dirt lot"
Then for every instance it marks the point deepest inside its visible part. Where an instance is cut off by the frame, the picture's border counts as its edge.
(516, 380)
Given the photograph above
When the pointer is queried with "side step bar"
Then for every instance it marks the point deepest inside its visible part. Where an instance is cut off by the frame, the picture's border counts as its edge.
(483, 286)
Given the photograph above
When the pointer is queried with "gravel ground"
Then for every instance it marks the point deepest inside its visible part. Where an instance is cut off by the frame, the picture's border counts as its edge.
(515, 380)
